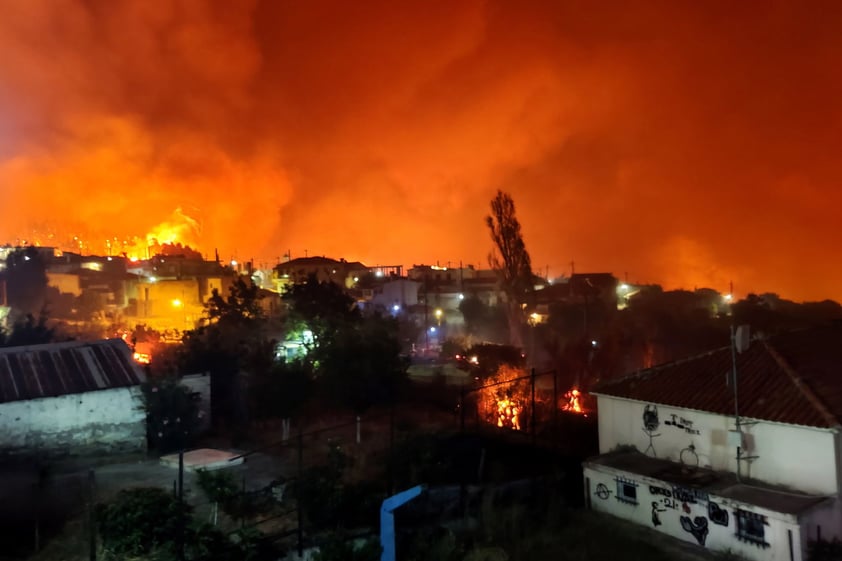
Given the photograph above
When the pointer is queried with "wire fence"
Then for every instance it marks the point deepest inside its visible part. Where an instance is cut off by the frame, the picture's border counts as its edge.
(530, 409)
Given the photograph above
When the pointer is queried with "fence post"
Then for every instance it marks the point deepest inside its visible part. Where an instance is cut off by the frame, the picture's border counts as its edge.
(532, 409)
(462, 409)
(298, 498)
(91, 520)
(181, 521)
(555, 407)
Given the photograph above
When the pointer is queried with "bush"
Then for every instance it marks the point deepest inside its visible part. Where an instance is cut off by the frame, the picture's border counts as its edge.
(221, 487)
(823, 550)
(339, 548)
(139, 521)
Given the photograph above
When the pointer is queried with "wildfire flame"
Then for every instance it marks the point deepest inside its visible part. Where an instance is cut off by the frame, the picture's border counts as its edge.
(505, 403)
(508, 414)
(573, 402)
(180, 228)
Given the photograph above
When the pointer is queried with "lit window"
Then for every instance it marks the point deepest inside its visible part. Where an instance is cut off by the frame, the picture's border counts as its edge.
(751, 527)
(626, 491)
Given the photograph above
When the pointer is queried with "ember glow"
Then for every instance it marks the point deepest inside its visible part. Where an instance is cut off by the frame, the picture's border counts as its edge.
(505, 397)
(690, 144)
(508, 414)
(573, 402)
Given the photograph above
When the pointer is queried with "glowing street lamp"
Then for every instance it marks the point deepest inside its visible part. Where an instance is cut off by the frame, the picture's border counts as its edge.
(176, 303)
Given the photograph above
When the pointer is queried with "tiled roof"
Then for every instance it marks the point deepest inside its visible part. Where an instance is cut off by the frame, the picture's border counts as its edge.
(793, 378)
(66, 368)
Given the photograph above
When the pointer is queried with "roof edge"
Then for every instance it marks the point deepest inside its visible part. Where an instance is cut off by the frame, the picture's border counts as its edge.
(802, 386)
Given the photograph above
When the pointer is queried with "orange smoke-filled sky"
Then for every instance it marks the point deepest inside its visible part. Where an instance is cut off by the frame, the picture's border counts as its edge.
(684, 143)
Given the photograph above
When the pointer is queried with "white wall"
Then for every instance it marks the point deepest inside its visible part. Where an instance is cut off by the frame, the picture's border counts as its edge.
(802, 458)
(102, 421)
(657, 499)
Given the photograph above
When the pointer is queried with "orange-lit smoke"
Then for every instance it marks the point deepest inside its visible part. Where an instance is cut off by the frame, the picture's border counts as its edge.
(691, 144)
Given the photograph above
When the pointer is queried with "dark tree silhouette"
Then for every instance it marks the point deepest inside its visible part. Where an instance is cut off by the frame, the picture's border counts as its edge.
(28, 331)
(511, 261)
(26, 281)
(229, 336)
(356, 359)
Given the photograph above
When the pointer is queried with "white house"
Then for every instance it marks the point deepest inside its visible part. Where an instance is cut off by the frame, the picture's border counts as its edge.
(754, 468)
(71, 398)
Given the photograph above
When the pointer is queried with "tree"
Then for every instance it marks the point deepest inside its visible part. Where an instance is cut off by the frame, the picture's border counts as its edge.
(26, 281)
(228, 338)
(323, 308)
(356, 360)
(28, 331)
(362, 366)
(510, 260)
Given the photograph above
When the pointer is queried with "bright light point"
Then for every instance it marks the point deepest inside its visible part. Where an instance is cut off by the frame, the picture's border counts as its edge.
(177, 303)
(439, 313)
(233, 263)
(432, 330)
(624, 287)
(26, 257)
(152, 279)
(396, 308)
(307, 336)
(356, 279)
(593, 343)
(110, 259)
(474, 360)
(535, 315)
(133, 259)
(461, 296)
(379, 273)
(728, 297)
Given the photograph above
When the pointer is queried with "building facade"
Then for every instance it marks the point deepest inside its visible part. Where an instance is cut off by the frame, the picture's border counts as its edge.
(72, 398)
(751, 464)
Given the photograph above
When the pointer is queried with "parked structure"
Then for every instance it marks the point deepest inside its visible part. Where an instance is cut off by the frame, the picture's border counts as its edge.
(752, 465)
(71, 399)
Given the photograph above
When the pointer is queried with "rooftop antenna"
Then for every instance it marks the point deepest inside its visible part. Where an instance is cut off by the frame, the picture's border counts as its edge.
(740, 340)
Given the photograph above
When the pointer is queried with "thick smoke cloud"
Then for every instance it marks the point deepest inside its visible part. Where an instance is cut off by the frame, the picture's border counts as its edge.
(690, 144)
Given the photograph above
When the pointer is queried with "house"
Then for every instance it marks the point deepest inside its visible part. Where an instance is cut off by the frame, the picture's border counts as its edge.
(343, 273)
(755, 468)
(71, 398)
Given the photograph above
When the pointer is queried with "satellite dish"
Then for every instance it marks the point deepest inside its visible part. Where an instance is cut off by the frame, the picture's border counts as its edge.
(742, 339)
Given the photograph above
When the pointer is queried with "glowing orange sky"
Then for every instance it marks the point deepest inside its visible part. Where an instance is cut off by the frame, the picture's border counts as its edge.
(686, 143)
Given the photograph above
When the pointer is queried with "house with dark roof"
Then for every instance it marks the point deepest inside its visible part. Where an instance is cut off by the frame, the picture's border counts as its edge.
(324, 269)
(732, 450)
(71, 398)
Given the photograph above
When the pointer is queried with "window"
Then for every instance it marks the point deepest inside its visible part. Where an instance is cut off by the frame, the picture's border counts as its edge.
(626, 490)
(751, 527)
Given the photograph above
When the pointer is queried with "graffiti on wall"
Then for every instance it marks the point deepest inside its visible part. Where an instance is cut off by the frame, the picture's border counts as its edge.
(689, 495)
(681, 423)
(650, 426)
(717, 514)
(698, 527)
(656, 520)
(665, 496)
(602, 491)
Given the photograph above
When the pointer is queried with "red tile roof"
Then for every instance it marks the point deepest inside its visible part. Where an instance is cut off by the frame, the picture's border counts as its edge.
(793, 378)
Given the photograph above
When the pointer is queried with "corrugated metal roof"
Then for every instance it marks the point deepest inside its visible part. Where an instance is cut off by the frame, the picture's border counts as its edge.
(793, 378)
(66, 368)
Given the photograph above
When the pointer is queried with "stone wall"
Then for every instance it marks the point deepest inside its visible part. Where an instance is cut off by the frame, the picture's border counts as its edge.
(100, 422)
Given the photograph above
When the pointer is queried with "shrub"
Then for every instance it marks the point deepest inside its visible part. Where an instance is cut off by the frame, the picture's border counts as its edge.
(140, 520)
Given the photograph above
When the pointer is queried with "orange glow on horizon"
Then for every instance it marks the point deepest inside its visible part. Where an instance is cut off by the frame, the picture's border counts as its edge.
(618, 158)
